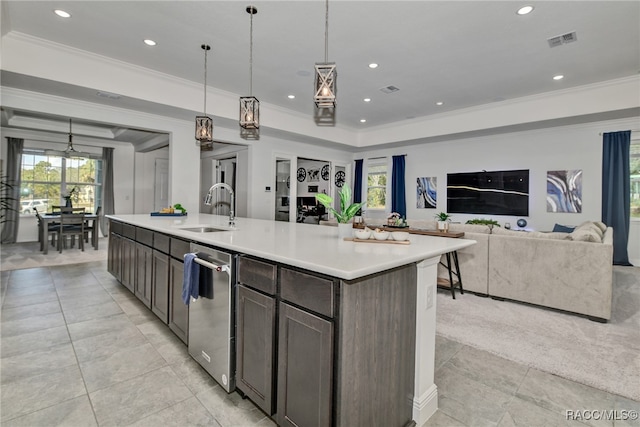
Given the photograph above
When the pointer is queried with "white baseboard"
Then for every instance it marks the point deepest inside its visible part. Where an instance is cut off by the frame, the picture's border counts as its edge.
(425, 406)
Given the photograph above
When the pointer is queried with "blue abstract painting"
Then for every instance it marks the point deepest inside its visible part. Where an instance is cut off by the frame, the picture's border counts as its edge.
(564, 191)
(426, 192)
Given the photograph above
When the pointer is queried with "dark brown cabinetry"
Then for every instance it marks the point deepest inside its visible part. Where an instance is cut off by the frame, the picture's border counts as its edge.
(178, 311)
(114, 262)
(160, 286)
(144, 273)
(255, 331)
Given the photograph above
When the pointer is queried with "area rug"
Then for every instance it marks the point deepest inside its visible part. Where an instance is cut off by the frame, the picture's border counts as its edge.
(604, 356)
(17, 256)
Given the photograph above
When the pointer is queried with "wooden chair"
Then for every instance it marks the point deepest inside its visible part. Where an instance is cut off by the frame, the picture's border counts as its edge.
(92, 225)
(53, 231)
(71, 224)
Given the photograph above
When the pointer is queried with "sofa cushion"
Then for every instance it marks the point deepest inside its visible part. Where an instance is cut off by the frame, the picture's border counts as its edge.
(470, 228)
(563, 228)
(590, 225)
(585, 234)
(601, 225)
(504, 232)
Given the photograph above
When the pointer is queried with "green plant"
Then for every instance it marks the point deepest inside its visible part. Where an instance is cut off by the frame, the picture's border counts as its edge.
(346, 213)
(443, 216)
(179, 207)
(482, 221)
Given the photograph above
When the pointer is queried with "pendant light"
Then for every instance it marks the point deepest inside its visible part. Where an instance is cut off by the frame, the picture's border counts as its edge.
(325, 76)
(249, 105)
(204, 124)
(70, 151)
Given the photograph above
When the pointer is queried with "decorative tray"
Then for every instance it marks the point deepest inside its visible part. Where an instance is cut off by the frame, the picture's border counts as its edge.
(168, 214)
(393, 242)
(395, 226)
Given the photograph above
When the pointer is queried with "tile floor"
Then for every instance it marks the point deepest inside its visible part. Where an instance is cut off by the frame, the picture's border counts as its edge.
(78, 349)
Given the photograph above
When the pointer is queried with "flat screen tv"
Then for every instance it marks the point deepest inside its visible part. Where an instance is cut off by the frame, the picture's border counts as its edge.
(493, 193)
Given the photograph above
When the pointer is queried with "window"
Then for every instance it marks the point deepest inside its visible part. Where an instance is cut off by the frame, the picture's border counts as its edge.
(634, 175)
(45, 179)
(377, 184)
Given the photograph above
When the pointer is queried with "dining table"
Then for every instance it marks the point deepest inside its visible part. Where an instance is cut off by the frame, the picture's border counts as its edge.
(48, 219)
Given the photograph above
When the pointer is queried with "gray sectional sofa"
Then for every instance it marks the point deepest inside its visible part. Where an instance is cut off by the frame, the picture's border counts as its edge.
(566, 271)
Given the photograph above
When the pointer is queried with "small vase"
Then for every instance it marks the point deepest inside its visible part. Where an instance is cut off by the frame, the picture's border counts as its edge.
(68, 203)
(443, 226)
(345, 230)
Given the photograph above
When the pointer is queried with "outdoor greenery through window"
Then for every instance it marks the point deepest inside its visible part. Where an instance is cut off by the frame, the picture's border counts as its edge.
(634, 172)
(48, 180)
(377, 185)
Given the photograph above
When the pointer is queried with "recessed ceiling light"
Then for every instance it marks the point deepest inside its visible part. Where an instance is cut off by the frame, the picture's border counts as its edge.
(61, 13)
(525, 10)
(373, 65)
(363, 120)
(149, 42)
(558, 77)
(367, 100)
(291, 96)
(439, 103)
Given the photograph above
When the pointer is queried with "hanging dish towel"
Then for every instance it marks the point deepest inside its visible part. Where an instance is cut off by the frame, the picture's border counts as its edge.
(190, 279)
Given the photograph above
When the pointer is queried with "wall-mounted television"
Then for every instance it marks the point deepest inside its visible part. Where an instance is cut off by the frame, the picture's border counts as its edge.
(492, 193)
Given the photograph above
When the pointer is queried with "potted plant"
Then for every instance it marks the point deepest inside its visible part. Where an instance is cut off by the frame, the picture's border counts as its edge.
(347, 210)
(74, 191)
(481, 221)
(443, 221)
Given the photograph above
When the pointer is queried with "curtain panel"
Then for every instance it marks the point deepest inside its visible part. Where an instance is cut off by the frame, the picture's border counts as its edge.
(107, 188)
(616, 191)
(357, 181)
(11, 191)
(398, 196)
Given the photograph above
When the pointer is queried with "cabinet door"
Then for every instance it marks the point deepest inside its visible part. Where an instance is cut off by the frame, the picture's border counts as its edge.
(115, 255)
(305, 365)
(128, 248)
(254, 349)
(143, 273)
(160, 286)
(178, 311)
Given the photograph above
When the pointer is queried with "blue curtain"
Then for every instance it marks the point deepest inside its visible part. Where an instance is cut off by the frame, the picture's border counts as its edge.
(398, 197)
(616, 191)
(357, 182)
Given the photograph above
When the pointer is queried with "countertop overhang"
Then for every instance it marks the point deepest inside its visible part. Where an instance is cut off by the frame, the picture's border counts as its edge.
(309, 246)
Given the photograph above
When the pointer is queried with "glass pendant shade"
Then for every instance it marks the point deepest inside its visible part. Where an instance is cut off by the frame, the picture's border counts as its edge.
(249, 112)
(325, 85)
(204, 129)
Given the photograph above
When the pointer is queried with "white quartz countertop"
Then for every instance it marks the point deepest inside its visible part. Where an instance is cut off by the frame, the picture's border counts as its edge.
(309, 246)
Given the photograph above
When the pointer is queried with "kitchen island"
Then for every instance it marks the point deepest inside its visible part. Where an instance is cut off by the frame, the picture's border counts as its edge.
(363, 314)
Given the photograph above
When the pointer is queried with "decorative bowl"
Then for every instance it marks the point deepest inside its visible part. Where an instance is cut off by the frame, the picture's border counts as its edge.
(399, 235)
(362, 234)
(381, 235)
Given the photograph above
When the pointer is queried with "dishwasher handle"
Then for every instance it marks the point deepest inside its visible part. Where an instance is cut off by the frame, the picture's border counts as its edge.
(211, 266)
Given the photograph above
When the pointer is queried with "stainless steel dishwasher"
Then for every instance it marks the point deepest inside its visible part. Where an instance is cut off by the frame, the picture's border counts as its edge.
(212, 316)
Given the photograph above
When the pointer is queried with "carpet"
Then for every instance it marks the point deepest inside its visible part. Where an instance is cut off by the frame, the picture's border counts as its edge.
(16, 256)
(604, 356)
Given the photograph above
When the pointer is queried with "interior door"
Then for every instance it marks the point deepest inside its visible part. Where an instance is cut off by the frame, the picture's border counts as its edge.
(283, 190)
(161, 184)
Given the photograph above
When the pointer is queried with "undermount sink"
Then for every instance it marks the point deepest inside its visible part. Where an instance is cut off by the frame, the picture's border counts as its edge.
(203, 229)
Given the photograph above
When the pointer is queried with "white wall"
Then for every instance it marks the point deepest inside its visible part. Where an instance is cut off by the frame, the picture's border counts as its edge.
(559, 148)
(144, 183)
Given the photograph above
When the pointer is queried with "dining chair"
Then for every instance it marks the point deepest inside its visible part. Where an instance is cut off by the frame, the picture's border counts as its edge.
(92, 225)
(71, 224)
(53, 231)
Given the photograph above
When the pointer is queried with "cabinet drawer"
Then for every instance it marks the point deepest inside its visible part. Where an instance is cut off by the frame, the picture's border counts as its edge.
(144, 236)
(312, 292)
(179, 247)
(115, 227)
(161, 242)
(129, 231)
(257, 274)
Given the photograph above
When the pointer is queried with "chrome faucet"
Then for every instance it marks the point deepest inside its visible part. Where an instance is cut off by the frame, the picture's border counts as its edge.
(207, 200)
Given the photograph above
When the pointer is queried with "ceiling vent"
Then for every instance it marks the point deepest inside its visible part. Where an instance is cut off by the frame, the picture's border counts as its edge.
(562, 39)
(389, 89)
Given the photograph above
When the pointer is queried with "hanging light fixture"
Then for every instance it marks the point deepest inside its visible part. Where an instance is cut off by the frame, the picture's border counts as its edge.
(325, 76)
(204, 124)
(70, 151)
(249, 105)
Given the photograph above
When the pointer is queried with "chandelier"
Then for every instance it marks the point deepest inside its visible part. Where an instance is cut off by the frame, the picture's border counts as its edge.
(204, 124)
(249, 105)
(325, 81)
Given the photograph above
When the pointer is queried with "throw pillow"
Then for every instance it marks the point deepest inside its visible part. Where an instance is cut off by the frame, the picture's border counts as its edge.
(585, 235)
(562, 228)
(601, 225)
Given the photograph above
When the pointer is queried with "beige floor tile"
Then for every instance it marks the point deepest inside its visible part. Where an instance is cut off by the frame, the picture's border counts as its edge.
(76, 412)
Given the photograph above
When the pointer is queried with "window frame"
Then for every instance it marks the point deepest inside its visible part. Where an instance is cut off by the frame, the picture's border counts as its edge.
(635, 141)
(372, 162)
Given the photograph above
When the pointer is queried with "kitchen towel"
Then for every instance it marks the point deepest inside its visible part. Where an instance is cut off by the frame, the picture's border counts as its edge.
(190, 279)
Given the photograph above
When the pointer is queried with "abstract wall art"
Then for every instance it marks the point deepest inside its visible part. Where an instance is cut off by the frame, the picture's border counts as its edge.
(426, 192)
(564, 191)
